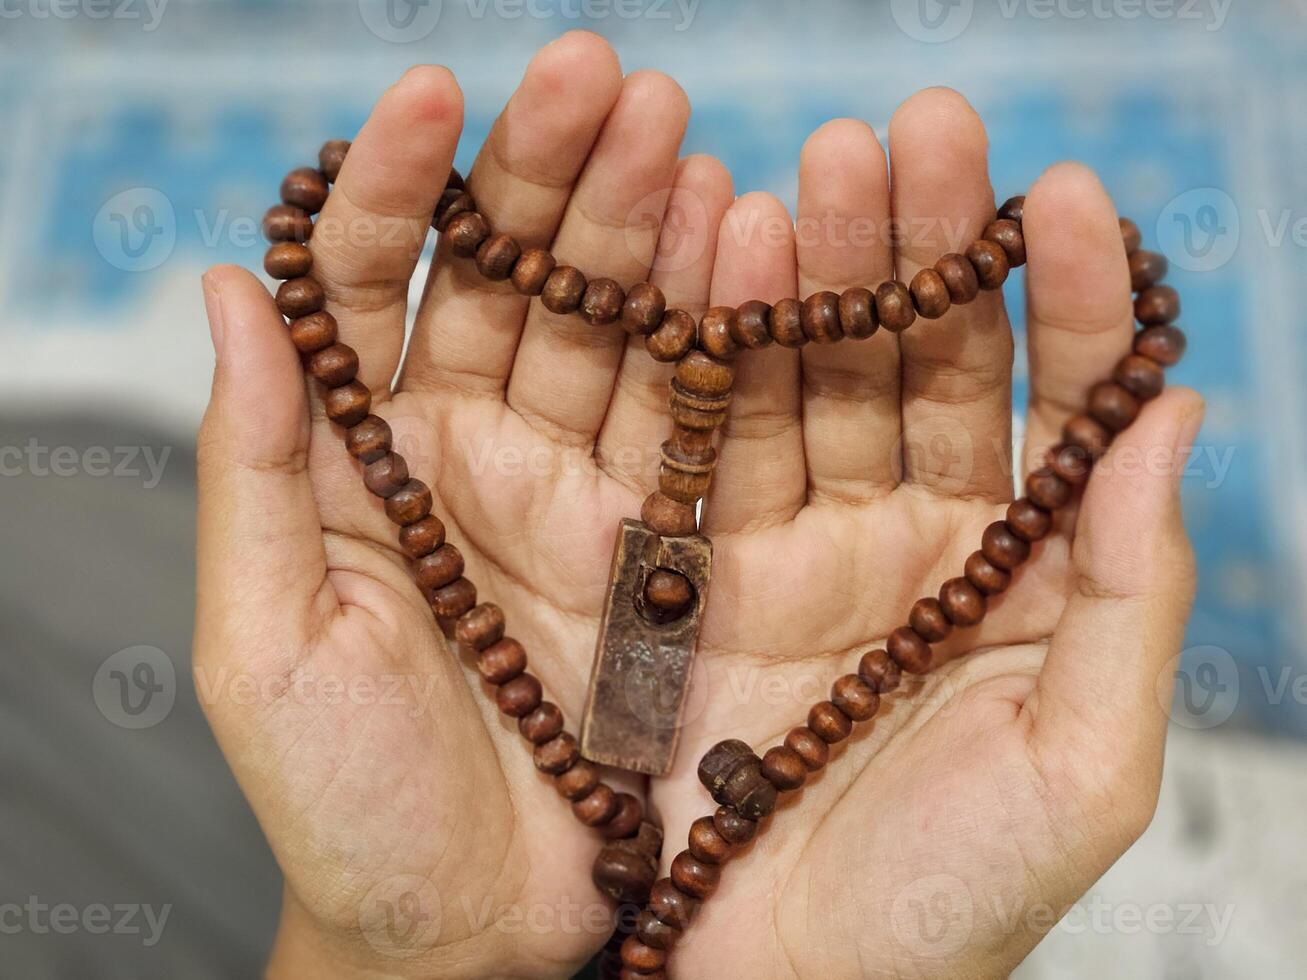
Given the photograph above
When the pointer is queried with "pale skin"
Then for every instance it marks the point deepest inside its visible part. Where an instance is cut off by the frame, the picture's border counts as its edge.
(1002, 784)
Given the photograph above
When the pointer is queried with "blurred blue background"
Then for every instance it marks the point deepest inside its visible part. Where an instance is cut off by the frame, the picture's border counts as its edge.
(143, 141)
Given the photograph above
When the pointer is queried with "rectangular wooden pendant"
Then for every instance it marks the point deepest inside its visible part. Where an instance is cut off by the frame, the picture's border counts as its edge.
(642, 667)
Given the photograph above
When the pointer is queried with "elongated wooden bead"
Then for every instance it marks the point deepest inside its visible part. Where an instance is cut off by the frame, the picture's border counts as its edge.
(894, 306)
(1003, 548)
(1028, 521)
(829, 723)
(909, 650)
(716, 332)
(563, 290)
(497, 256)
(288, 260)
(1006, 234)
(451, 601)
(601, 303)
(438, 568)
(422, 537)
(962, 602)
(674, 337)
(820, 318)
(481, 626)
(411, 503)
(927, 618)
(1141, 376)
(784, 768)
(1157, 305)
(312, 333)
(706, 842)
(369, 440)
(305, 188)
(1163, 343)
(751, 328)
(810, 746)
(930, 294)
(1147, 269)
(300, 297)
(858, 313)
(880, 671)
(347, 405)
(984, 575)
(991, 263)
(855, 697)
(531, 271)
(695, 878)
(787, 323)
(959, 277)
(642, 312)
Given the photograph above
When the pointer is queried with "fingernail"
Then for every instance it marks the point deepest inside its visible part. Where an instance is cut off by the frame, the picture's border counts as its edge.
(213, 307)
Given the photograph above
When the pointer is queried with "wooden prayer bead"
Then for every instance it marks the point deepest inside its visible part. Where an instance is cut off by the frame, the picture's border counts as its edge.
(283, 223)
(455, 181)
(451, 207)
(304, 188)
(481, 626)
(715, 333)
(466, 232)
(1013, 208)
(908, 650)
(1006, 234)
(855, 697)
(1112, 406)
(520, 696)
(1130, 236)
(681, 480)
(578, 782)
(300, 297)
(1084, 433)
(820, 318)
(930, 294)
(642, 312)
(654, 932)
(1047, 489)
(669, 592)
(857, 311)
(563, 290)
(1028, 521)
(501, 661)
(809, 746)
(334, 366)
(557, 755)
(1157, 305)
(453, 600)
(985, 576)
(674, 337)
(927, 618)
(422, 537)
(312, 333)
(385, 475)
(641, 958)
(880, 672)
(959, 277)
(369, 440)
(599, 807)
(532, 271)
(706, 842)
(621, 871)
(347, 404)
(663, 515)
(542, 725)
(1069, 463)
(696, 878)
(732, 774)
(331, 157)
(497, 256)
(601, 303)
(627, 820)
(288, 260)
(784, 768)
(1141, 376)
(894, 307)
(962, 602)
(991, 263)
(751, 326)
(1003, 548)
(829, 723)
(670, 905)
(734, 826)
(411, 503)
(1163, 343)
(706, 376)
(787, 323)
(439, 568)
(1146, 269)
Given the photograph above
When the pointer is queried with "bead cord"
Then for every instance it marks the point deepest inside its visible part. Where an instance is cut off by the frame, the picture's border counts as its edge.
(745, 786)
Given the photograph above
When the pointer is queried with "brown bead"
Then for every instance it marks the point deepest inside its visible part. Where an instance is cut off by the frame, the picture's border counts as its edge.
(751, 327)
(715, 333)
(654, 932)
(453, 600)
(1157, 305)
(786, 323)
(369, 440)
(1163, 343)
(880, 672)
(669, 592)
(1047, 489)
(1006, 234)
(988, 578)
(809, 746)
(643, 310)
(481, 626)
(601, 303)
(1130, 236)
(959, 277)
(1003, 548)
(706, 842)
(304, 188)
(1069, 463)
(963, 603)
(557, 755)
(578, 782)
(300, 297)
(1085, 434)
(894, 306)
(283, 223)
(288, 260)
(908, 650)
(411, 503)
(1141, 376)
(439, 568)
(695, 878)
(532, 271)
(1111, 405)
(627, 821)
(855, 697)
(1028, 521)
(927, 619)
(732, 774)
(453, 204)
(385, 475)
(348, 404)
(497, 255)
(564, 290)
(704, 375)
(422, 537)
(783, 768)
(466, 232)
(519, 696)
(543, 724)
(331, 156)
(992, 266)
(930, 294)
(455, 181)
(829, 723)
(663, 515)
(599, 807)
(313, 332)
(857, 309)
(733, 826)
(641, 958)
(671, 905)
(1146, 269)
(820, 317)
(674, 337)
(334, 366)
(620, 871)
(1014, 208)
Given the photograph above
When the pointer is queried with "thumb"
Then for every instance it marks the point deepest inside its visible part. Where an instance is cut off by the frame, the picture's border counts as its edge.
(260, 554)
(1133, 576)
